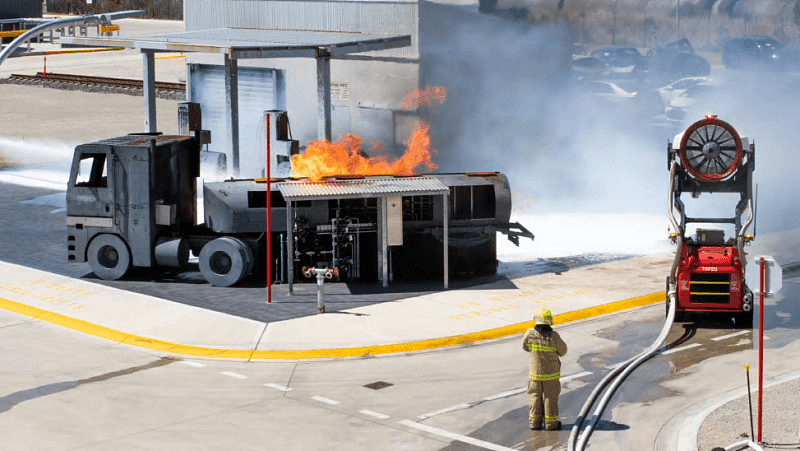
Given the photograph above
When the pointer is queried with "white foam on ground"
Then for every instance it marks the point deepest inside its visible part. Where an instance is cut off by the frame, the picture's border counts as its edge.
(570, 234)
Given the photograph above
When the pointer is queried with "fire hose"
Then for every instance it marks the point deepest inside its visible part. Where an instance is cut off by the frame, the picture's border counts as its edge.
(612, 381)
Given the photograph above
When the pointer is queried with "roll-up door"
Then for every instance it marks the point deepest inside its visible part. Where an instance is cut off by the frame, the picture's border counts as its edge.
(260, 89)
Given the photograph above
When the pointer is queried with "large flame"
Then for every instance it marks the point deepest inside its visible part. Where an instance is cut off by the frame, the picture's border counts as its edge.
(343, 157)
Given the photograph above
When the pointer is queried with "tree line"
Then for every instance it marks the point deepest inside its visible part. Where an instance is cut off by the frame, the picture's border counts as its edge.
(155, 9)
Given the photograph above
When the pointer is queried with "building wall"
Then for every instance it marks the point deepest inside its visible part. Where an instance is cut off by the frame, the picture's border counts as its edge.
(360, 16)
(374, 82)
(12, 9)
(367, 86)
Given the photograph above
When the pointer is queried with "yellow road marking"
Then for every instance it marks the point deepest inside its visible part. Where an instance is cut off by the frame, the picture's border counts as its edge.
(199, 351)
(169, 57)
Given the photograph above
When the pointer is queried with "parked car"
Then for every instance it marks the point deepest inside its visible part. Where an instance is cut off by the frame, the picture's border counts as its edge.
(589, 67)
(676, 59)
(759, 52)
(679, 106)
(605, 93)
(678, 87)
(620, 56)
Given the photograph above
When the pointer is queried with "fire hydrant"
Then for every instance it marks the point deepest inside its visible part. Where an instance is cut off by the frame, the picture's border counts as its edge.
(322, 274)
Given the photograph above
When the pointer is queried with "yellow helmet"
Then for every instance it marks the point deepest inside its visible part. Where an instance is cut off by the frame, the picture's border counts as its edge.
(543, 316)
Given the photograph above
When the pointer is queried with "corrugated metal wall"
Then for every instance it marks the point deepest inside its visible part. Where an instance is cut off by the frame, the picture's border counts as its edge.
(12, 9)
(382, 18)
(260, 89)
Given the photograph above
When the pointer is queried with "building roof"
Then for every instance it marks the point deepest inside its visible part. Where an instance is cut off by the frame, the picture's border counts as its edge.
(362, 188)
(248, 42)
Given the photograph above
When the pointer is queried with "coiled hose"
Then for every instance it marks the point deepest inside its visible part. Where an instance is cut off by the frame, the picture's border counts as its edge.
(612, 381)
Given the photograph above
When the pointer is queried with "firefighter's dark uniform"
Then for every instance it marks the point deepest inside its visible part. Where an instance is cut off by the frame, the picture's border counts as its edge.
(545, 347)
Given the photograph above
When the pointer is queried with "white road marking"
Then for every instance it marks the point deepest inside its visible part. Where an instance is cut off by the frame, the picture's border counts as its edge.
(682, 348)
(506, 394)
(277, 387)
(575, 376)
(453, 436)
(236, 375)
(735, 334)
(325, 400)
(190, 363)
(614, 366)
(445, 410)
(374, 414)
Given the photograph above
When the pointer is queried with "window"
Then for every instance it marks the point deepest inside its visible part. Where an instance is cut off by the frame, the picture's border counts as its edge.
(472, 202)
(483, 202)
(460, 202)
(258, 199)
(92, 171)
(417, 208)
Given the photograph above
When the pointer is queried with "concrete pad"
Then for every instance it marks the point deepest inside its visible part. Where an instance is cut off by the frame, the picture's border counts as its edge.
(122, 311)
(466, 311)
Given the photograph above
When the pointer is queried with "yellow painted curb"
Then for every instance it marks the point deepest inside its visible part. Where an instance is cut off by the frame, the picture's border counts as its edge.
(362, 351)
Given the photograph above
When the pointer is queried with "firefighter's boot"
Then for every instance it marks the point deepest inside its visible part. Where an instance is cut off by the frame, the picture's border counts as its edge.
(556, 426)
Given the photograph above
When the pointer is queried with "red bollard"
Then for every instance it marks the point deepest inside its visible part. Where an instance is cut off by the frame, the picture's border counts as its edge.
(44, 74)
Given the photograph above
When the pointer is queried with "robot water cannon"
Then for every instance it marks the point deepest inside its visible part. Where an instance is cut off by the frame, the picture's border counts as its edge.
(708, 271)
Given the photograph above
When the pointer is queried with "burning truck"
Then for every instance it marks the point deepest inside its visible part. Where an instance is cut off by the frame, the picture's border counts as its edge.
(132, 202)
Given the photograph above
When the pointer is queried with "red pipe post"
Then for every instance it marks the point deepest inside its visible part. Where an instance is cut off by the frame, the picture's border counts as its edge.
(761, 276)
(269, 221)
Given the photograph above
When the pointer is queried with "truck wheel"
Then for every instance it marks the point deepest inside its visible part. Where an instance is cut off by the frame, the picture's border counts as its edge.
(225, 261)
(108, 257)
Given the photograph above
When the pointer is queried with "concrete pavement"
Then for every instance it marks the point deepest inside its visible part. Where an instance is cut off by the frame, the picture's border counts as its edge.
(446, 318)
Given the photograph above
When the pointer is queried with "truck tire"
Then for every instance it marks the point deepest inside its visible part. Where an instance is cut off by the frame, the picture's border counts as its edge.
(108, 257)
(225, 261)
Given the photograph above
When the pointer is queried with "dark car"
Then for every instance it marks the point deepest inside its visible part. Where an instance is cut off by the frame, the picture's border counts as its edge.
(589, 67)
(759, 52)
(676, 59)
(619, 56)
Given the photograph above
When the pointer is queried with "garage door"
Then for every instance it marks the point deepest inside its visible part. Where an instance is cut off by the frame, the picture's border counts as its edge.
(260, 89)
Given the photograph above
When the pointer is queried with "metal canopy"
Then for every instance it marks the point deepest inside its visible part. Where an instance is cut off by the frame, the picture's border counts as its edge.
(362, 188)
(240, 43)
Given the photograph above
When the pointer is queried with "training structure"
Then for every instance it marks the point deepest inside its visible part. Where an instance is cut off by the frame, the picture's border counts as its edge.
(707, 274)
(132, 201)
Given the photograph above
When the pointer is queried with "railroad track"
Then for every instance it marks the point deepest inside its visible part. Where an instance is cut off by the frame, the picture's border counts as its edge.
(102, 84)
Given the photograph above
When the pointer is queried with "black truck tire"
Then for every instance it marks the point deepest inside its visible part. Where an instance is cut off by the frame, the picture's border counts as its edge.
(108, 256)
(225, 261)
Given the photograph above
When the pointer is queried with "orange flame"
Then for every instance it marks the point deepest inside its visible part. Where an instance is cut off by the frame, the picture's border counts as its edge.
(422, 98)
(343, 157)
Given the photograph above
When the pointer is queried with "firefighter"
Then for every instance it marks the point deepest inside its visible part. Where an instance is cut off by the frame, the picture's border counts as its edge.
(545, 347)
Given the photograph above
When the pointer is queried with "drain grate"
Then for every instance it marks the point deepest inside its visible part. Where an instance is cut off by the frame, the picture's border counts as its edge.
(378, 385)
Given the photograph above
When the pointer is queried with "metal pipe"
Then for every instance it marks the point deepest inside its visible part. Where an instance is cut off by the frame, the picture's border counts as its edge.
(232, 108)
(269, 214)
(58, 23)
(283, 259)
(289, 246)
(149, 91)
(446, 238)
(678, 229)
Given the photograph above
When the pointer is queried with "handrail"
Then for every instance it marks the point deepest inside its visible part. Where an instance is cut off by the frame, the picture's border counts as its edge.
(58, 23)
